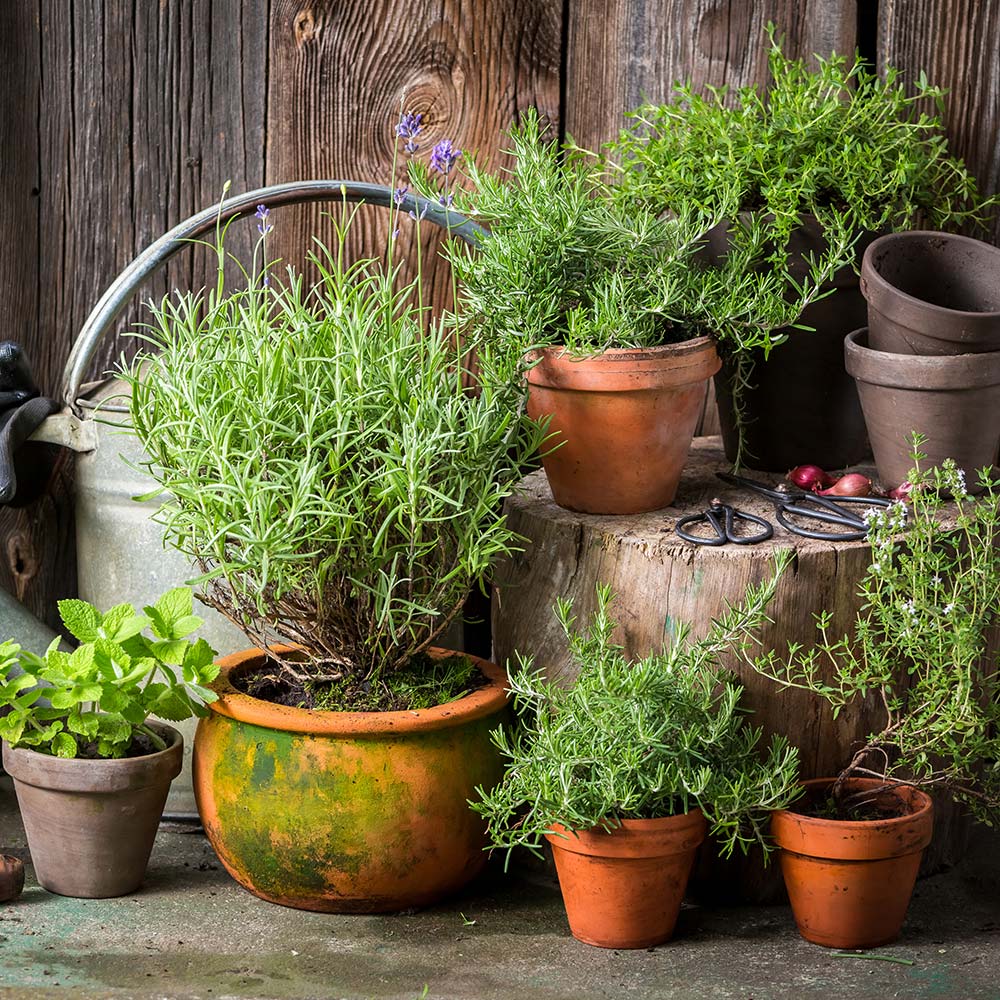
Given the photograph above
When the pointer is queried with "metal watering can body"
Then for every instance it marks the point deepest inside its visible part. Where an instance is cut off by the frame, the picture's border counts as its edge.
(120, 549)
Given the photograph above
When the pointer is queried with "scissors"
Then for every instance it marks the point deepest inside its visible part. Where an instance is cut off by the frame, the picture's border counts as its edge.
(808, 506)
(723, 518)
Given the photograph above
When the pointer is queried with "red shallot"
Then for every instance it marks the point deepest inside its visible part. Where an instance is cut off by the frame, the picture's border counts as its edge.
(809, 477)
(851, 485)
(901, 492)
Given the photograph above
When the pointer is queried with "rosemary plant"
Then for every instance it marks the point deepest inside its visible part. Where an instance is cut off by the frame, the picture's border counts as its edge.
(921, 642)
(322, 462)
(639, 740)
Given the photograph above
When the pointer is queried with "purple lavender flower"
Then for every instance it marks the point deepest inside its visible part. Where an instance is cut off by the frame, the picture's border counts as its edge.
(263, 225)
(408, 127)
(423, 212)
(399, 194)
(447, 200)
(443, 156)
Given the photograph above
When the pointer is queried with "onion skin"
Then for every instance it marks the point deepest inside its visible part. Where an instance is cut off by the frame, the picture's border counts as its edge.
(809, 477)
(901, 492)
(851, 485)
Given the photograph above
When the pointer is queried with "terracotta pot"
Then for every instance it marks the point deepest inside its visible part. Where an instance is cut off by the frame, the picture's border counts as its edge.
(850, 882)
(346, 811)
(804, 376)
(623, 888)
(623, 422)
(952, 399)
(11, 877)
(91, 823)
(932, 293)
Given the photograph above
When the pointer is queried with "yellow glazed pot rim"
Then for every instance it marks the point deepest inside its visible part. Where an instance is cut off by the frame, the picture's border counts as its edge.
(483, 702)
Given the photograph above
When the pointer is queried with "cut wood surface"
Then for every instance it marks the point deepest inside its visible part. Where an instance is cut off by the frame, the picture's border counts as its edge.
(661, 581)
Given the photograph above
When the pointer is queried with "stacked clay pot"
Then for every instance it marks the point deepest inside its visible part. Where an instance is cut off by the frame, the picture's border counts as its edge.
(929, 360)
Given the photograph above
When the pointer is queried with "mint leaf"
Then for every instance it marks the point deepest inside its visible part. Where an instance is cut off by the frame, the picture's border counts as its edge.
(121, 623)
(169, 650)
(63, 745)
(82, 619)
(170, 611)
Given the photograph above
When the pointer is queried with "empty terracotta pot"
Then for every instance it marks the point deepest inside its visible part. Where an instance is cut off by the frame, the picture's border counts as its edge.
(932, 293)
(623, 888)
(346, 811)
(952, 399)
(622, 422)
(91, 823)
(850, 882)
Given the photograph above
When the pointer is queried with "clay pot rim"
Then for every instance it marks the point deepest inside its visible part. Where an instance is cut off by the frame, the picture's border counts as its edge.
(871, 277)
(815, 836)
(635, 838)
(82, 774)
(485, 701)
(666, 366)
(921, 372)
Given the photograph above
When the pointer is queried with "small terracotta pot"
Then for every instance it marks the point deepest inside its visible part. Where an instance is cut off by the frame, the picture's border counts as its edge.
(346, 812)
(932, 293)
(622, 420)
(623, 889)
(91, 823)
(850, 882)
(11, 877)
(954, 400)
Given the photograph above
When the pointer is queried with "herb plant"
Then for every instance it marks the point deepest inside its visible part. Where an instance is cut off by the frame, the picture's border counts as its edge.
(639, 740)
(323, 461)
(921, 642)
(96, 700)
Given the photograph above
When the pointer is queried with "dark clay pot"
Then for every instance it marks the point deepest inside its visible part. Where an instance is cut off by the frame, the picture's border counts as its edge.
(932, 293)
(952, 399)
(11, 877)
(803, 407)
(91, 823)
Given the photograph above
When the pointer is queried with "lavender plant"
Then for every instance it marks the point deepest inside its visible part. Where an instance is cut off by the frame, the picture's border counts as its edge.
(639, 739)
(321, 461)
(921, 644)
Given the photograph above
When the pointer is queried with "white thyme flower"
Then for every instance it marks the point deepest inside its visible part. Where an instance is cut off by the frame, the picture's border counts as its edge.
(936, 581)
(948, 608)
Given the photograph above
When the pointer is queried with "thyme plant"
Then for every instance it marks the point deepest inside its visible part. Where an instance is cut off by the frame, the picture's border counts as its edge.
(921, 643)
(639, 740)
(322, 462)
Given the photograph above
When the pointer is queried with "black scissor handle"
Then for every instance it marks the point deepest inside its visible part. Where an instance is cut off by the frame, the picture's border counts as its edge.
(722, 518)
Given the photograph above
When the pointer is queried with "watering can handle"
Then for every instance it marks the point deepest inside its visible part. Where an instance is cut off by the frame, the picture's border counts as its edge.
(121, 290)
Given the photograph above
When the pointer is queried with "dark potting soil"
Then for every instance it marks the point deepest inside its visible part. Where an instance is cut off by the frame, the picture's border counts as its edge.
(881, 808)
(141, 746)
(423, 683)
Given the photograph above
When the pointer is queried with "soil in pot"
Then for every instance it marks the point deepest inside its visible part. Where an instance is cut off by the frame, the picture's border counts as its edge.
(850, 881)
(346, 811)
(801, 405)
(622, 422)
(623, 888)
(91, 823)
(932, 293)
(954, 400)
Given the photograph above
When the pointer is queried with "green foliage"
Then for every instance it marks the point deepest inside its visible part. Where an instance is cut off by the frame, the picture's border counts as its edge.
(101, 694)
(921, 639)
(323, 462)
(639, 740)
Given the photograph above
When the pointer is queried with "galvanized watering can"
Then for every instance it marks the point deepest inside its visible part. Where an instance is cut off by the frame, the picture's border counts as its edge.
(120, 550)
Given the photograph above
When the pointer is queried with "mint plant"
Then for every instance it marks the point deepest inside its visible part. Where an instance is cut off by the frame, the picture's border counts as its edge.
(639, 739)
(97, 699)
(921, 645)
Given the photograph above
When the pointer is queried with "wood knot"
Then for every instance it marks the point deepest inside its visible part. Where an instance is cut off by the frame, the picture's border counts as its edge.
(304, 26)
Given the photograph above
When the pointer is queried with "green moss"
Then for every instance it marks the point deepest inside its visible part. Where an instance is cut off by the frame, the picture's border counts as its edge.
(423, 683)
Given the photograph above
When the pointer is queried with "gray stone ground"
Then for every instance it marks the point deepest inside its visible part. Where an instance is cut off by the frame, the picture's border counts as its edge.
(191, 932)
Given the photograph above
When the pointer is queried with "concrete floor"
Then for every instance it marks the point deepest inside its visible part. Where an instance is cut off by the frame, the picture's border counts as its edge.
(191, 932)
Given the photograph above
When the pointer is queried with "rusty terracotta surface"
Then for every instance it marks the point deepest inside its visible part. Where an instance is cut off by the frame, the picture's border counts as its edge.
(347, 811)
(623, 889)
(850, 882)
(91, 823)
(623, 422)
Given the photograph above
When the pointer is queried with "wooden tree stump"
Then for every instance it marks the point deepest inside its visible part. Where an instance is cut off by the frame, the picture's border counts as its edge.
(661, 581)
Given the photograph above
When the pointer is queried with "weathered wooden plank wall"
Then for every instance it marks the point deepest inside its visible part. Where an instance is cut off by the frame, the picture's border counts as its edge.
(121, 117)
